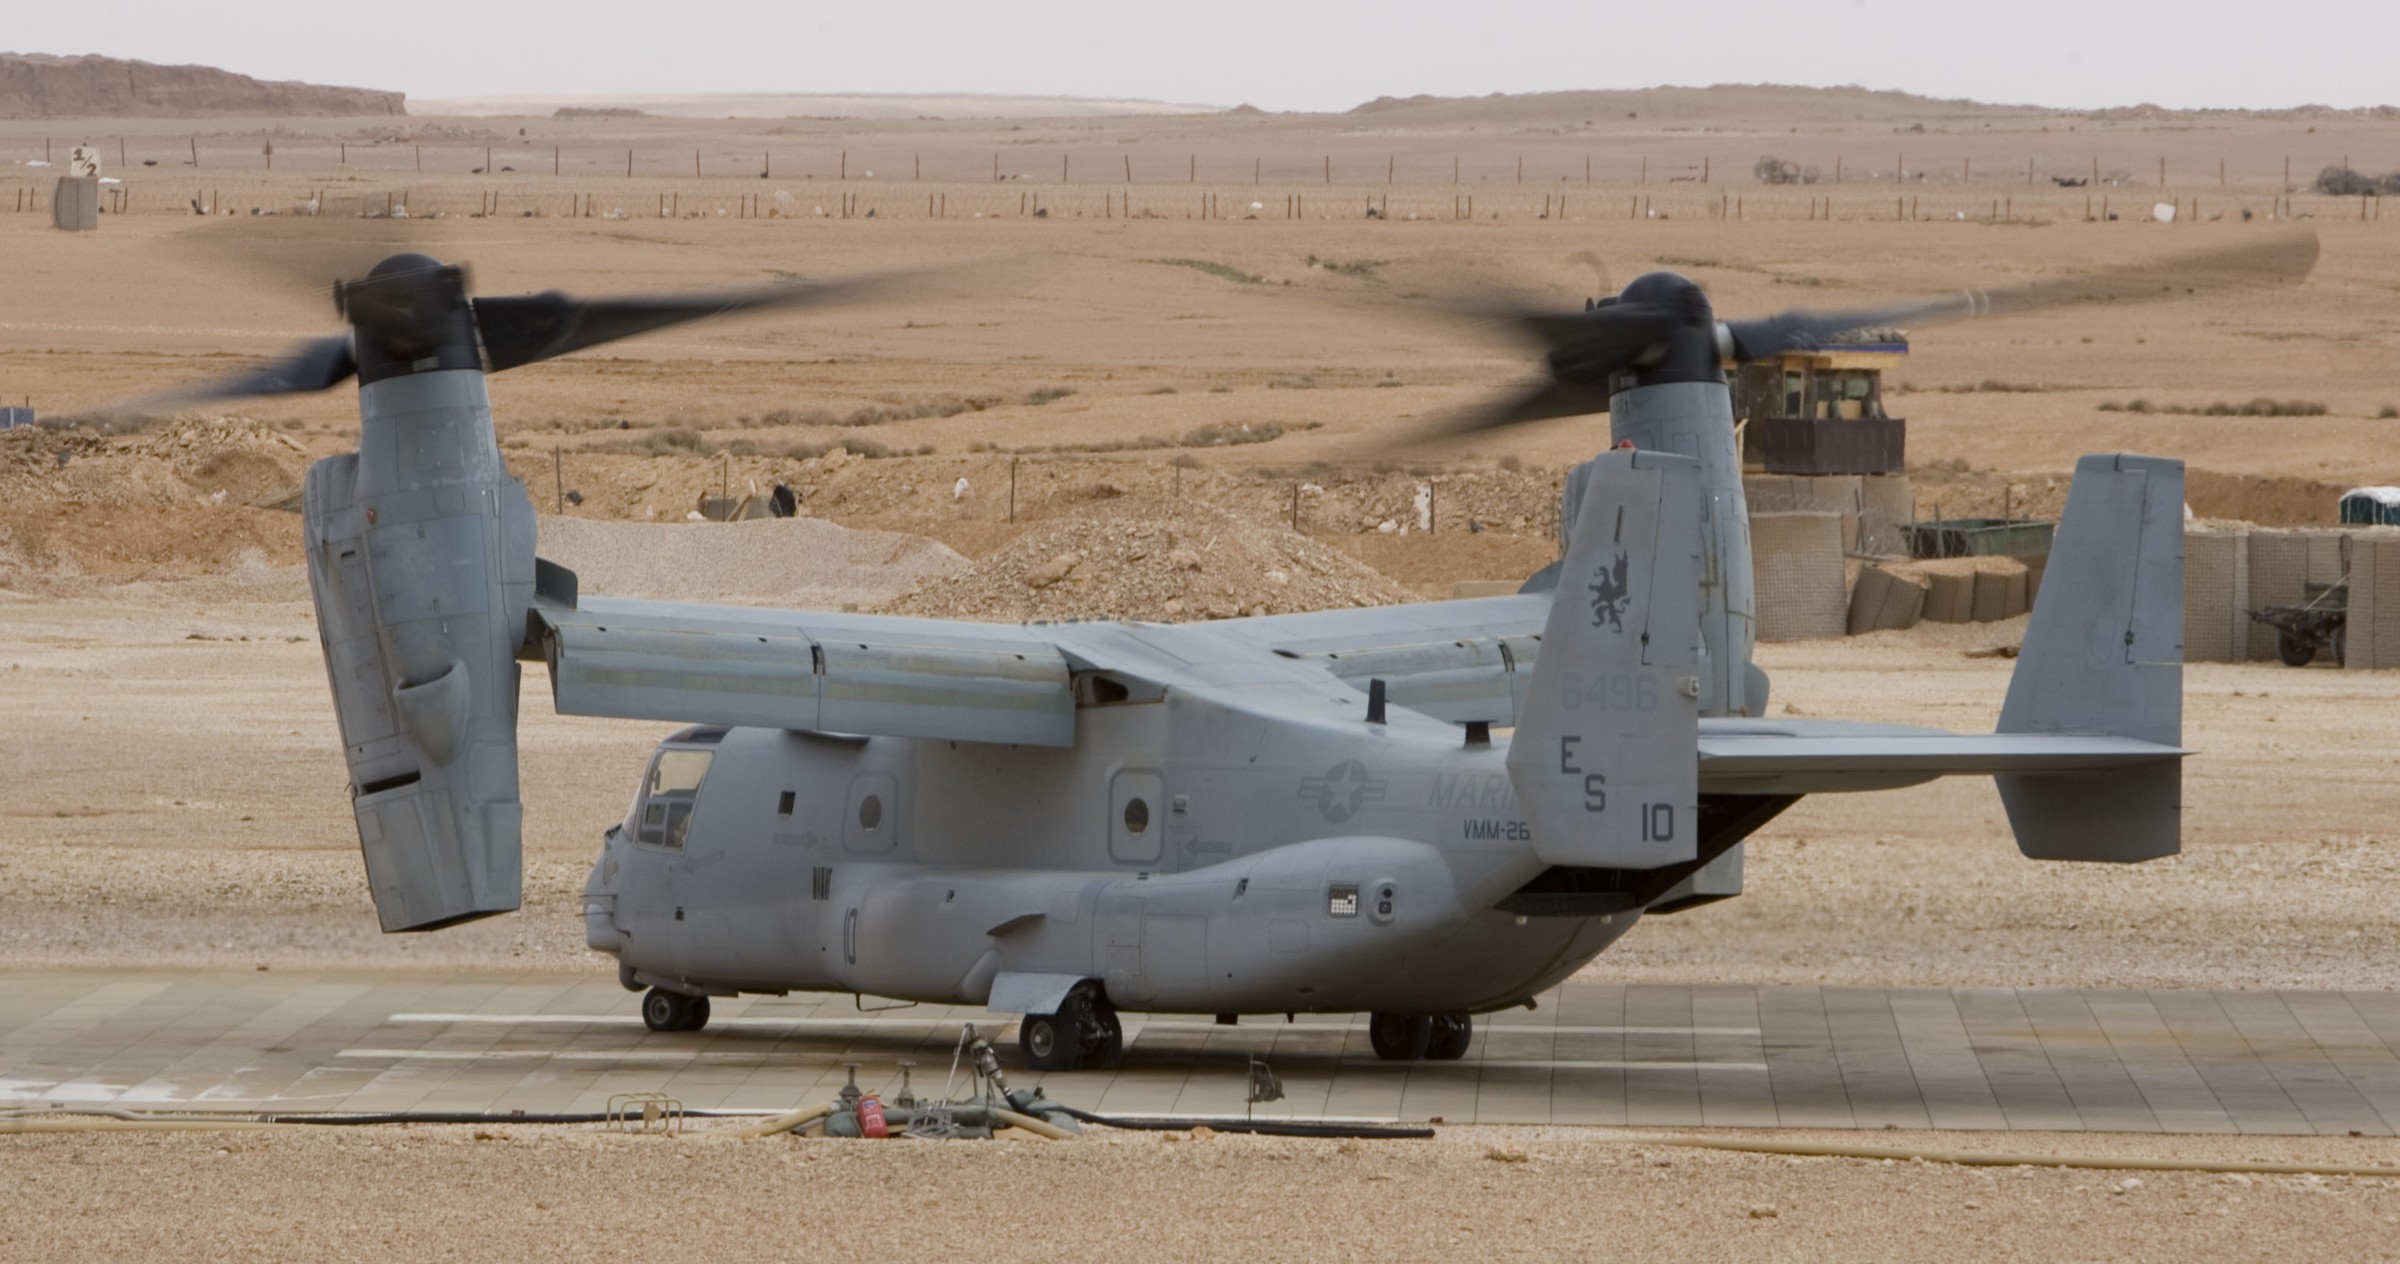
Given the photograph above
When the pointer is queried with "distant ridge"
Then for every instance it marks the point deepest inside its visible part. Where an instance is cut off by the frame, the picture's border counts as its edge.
(37, 85)
(804, 105)
(1791, 104)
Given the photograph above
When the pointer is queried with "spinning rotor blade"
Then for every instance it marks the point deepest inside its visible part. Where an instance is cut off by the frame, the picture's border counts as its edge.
(1662, 313)
(1541, 402)
(2279, 259)
(524, 329)
(315, 365)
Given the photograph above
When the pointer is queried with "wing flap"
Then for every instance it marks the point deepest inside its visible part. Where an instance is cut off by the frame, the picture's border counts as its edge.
(1452, 660)
(808, 672)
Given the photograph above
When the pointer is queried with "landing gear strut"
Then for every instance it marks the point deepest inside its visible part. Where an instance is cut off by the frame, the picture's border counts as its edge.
(1420, 1037)
(663, 1010)
(1083, 1035)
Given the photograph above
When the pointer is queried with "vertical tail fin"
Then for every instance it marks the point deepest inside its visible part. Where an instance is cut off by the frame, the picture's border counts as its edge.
(2104, 655)
(1605, 756)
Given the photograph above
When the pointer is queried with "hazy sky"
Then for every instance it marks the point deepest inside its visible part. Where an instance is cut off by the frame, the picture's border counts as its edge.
(1277, 54)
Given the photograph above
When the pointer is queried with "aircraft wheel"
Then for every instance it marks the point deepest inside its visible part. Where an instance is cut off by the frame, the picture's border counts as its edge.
(1452, 1033)
(663, 1010)
(1400, 1037)
(1048, 1042)
(1104, 1041)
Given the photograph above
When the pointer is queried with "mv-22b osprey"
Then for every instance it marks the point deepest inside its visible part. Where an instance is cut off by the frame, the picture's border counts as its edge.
(1312, 812)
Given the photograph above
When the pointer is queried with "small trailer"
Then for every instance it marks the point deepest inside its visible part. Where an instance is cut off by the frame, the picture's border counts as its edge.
(2315, 624)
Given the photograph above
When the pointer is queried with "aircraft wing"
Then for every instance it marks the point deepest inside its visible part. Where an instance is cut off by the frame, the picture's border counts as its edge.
(1740, 756)
(809, 671)
(1452, 660)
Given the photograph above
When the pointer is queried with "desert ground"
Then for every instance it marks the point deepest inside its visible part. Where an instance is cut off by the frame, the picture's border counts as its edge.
(1204, 322)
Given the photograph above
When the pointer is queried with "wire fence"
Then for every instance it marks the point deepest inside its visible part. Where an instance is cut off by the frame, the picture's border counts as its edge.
(239, 175)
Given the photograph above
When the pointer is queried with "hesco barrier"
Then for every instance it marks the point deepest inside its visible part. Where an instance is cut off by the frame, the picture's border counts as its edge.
(2216, 596)
(1886, 601)
(1796, 559)
(2372, 637)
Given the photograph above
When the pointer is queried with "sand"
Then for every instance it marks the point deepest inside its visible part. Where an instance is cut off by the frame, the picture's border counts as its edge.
(177, 788)
(1495, 1193)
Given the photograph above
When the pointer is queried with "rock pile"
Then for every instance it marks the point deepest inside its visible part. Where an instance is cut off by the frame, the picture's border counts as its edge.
(1155, 558)
(788, 563)
(189, 498)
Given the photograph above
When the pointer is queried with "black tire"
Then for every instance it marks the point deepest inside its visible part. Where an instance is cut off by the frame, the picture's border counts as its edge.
(695, 1014)
(1105, 1047)
(1047, 1042)
(2293, 651)
(1452, 1033)
(663, 1010)
(1400, 1037)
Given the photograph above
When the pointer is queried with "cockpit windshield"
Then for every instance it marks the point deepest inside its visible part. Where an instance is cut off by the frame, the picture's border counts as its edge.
(668, 794)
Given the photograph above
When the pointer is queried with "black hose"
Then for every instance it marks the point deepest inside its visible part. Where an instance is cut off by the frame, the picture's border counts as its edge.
(470, 1117)
(1253, 1127)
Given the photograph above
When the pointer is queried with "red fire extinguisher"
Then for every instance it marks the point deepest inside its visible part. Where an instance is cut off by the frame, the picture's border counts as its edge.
(870, 1117)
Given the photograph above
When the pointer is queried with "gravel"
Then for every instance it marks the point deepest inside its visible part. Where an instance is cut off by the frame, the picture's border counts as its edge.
(796, 563)
(522, 1192)
(1152, 557)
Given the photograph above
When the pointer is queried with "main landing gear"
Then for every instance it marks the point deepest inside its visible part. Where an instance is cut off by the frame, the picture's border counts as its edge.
(1083, 1035)
(663, 1010)
(1420, 1037)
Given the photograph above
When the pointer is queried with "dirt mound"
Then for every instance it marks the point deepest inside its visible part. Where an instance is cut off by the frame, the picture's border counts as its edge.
(1152, 557)
(190, 499)
(36, 86)
(793, 563)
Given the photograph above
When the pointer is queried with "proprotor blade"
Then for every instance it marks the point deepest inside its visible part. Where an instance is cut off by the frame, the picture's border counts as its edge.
(2282, 258)
(523, 329)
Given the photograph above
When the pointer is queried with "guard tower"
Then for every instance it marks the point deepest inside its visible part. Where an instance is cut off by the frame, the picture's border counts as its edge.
(1820, 411)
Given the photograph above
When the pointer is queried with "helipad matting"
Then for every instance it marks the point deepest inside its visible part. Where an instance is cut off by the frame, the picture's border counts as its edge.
(1740, 1056)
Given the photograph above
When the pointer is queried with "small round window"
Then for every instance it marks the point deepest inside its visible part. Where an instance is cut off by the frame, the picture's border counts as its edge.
(870, 811)
(1137, 816)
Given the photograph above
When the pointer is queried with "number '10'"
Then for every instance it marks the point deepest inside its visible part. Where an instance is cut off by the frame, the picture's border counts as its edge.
(1658, 822)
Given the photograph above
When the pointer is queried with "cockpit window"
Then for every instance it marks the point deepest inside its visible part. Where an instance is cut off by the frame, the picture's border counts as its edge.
(667, 797)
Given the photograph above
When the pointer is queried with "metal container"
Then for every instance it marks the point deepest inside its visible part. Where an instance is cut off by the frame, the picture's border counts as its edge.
(1979, 537)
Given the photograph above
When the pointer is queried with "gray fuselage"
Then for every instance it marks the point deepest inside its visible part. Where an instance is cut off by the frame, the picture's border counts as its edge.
(1244, 843)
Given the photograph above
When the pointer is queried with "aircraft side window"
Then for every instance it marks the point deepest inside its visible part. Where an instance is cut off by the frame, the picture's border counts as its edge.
(668, 795)
(1137, 816)
(870, 812)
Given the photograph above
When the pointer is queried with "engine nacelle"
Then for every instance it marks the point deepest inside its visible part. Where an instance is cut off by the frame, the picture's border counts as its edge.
(421, 561)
